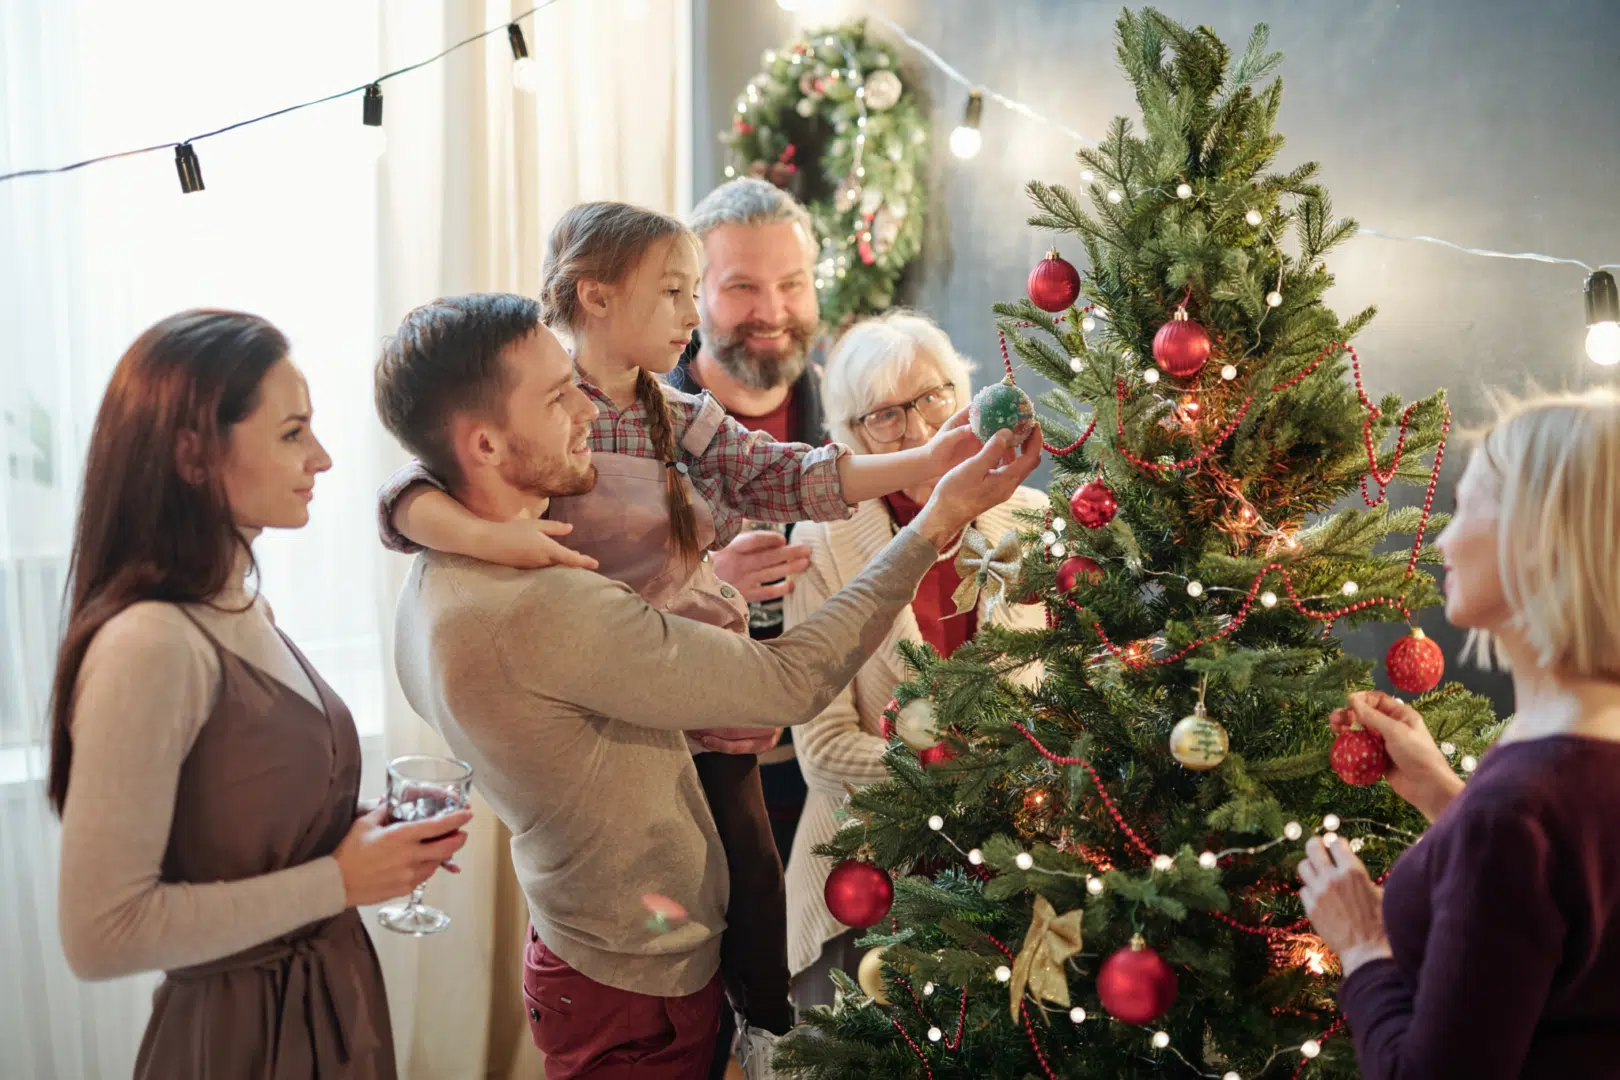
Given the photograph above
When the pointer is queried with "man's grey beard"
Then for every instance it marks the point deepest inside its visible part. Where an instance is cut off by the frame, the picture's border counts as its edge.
(764, 370)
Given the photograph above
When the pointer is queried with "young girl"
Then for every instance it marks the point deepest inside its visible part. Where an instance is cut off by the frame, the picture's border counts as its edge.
(676, 478)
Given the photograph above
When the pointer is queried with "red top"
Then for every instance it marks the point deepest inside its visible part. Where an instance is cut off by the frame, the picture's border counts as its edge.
(777, 423)
(935, 611)
(1505, 925)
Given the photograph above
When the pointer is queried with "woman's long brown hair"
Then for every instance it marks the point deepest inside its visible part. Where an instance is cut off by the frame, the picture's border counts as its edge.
(604, 241)
(145, 531)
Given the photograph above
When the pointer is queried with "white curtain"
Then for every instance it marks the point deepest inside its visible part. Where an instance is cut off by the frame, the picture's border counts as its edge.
(303, 223)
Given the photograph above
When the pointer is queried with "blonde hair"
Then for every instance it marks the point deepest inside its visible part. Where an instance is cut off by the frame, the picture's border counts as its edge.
(605, 241)
(1556, 462)
(867, 363)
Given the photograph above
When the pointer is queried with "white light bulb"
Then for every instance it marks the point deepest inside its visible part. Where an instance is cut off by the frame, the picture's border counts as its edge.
(1207, 860)
(1268, 599)
(1048, 537)
(1357, 843)
(1076, 364)
(1163, 862)
(1195, 589)
(1058, 550)
(1231, 1076)
(934, 1034)
(526, 76)
(1114, 196)
(1274, 298)
(936, 823)
(860, 121)
(1150, 376)
(1252, 217)
(1469, 763)
(1094, 885)
(742, 106)
(1077, 1015)
(1603, 343)
(1059, 524)
(1088, 324)
(1087, 176)
(1228, 372)
(965, 142)
(769, 58)
(1330, 837)
(730, 172)
(1024, 860)
(1293, 831)
(976, 857)
(860, 92)
(1448, 748)
(1349, 588)
(1183, 191)
(1310, 1048)
(1161, 1039)
(928, 989)
(1331, 822)
(1003, 973)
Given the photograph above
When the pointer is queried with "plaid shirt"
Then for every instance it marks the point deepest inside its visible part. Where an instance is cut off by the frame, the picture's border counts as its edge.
(744, 475)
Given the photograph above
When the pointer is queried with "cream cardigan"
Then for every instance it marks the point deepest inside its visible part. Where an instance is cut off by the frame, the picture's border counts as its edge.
(842, 744)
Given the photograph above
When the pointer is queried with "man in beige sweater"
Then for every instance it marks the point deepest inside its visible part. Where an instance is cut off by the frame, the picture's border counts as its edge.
(569, 694)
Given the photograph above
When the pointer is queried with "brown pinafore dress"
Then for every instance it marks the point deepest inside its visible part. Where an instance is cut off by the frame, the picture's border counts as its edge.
(271, 783)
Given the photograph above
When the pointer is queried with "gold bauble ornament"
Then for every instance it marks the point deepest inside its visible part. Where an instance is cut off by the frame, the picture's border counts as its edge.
(1198, 742)
(915, 724)
(870, 975)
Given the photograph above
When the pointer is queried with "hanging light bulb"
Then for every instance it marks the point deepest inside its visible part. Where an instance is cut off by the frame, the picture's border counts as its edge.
(189, 168)
(525, 72)
(371, 114)
(965, 140)
(1602, 319)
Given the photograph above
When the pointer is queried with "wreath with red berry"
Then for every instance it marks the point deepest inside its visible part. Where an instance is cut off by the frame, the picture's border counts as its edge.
(831, 120)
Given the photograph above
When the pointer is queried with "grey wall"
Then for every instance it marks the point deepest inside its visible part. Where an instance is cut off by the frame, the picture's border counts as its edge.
(1495, 123)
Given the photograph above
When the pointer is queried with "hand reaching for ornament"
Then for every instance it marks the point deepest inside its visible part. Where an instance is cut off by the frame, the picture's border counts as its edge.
(1418, 771)
(1343, 904)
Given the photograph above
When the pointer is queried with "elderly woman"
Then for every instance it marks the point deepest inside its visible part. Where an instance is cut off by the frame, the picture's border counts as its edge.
(890, 383)
(1494, 949)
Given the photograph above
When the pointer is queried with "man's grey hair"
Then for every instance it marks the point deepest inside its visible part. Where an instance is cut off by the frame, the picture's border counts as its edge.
(751, 201)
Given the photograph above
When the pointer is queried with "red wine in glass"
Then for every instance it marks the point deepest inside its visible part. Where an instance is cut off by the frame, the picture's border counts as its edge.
(422, 787)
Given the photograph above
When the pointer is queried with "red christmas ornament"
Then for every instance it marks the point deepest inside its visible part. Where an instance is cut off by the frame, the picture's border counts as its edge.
(1054, 284)
(1093, 504)
(1359, 757)
(858, 894)
(1075, 569)
(1181, 346)
(886, 719)
(1136, 985)
(1415, 663)
(938, 754)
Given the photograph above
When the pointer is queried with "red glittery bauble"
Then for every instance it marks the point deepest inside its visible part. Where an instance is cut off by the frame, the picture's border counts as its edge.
(938, 754)
(1093, 504)
(1136, 985)
(886, 719)
(1415, 663)
(1075, 569)
(1181, 346)
(1054, 284)
(1359, 757)
(858, 894)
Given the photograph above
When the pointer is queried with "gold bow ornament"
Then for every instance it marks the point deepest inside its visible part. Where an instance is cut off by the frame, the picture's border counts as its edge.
(1051, 940)
(986, 569)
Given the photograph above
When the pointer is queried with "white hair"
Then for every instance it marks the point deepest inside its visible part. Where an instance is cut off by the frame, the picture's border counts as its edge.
(868, 362)
(1556, 463)
(750, 201)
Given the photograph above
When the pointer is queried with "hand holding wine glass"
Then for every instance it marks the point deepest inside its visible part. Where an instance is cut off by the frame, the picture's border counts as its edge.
(380, 861)
(427, 797)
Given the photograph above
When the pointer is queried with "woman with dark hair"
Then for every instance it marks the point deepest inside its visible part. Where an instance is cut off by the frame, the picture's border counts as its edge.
(206, 776)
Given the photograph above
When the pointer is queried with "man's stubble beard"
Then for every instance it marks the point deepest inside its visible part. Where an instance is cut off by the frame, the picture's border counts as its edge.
(529, 474)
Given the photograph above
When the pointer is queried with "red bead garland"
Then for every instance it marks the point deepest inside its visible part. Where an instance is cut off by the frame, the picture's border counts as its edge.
(1102, 792)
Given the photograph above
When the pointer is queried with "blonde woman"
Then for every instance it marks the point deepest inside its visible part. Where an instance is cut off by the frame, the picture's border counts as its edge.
(890, 383)
(1494, 948)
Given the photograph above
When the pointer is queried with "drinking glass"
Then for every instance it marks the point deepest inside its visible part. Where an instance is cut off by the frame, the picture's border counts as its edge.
(420, 787)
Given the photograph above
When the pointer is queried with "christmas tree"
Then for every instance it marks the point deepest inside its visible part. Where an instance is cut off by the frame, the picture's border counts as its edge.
(1092, 860)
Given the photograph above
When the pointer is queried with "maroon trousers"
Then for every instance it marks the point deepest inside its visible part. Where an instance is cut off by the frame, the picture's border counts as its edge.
(589, 1031)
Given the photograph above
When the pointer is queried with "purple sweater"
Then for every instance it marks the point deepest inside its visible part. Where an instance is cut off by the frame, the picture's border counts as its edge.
(1505, 926)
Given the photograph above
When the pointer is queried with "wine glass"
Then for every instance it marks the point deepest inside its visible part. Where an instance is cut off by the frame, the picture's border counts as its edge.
(421, 786)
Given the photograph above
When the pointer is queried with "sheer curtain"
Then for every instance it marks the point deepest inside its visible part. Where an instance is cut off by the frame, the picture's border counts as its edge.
(304, 223)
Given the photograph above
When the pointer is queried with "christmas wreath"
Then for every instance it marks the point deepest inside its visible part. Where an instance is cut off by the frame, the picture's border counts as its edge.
(830, 120)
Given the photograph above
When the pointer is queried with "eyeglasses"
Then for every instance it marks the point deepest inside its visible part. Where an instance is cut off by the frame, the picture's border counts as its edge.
(888, 424)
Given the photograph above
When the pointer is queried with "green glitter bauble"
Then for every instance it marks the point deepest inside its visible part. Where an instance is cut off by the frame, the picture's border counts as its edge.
(1001, 405)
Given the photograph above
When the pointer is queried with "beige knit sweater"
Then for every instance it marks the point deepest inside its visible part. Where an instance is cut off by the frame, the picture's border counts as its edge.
(842, 744)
